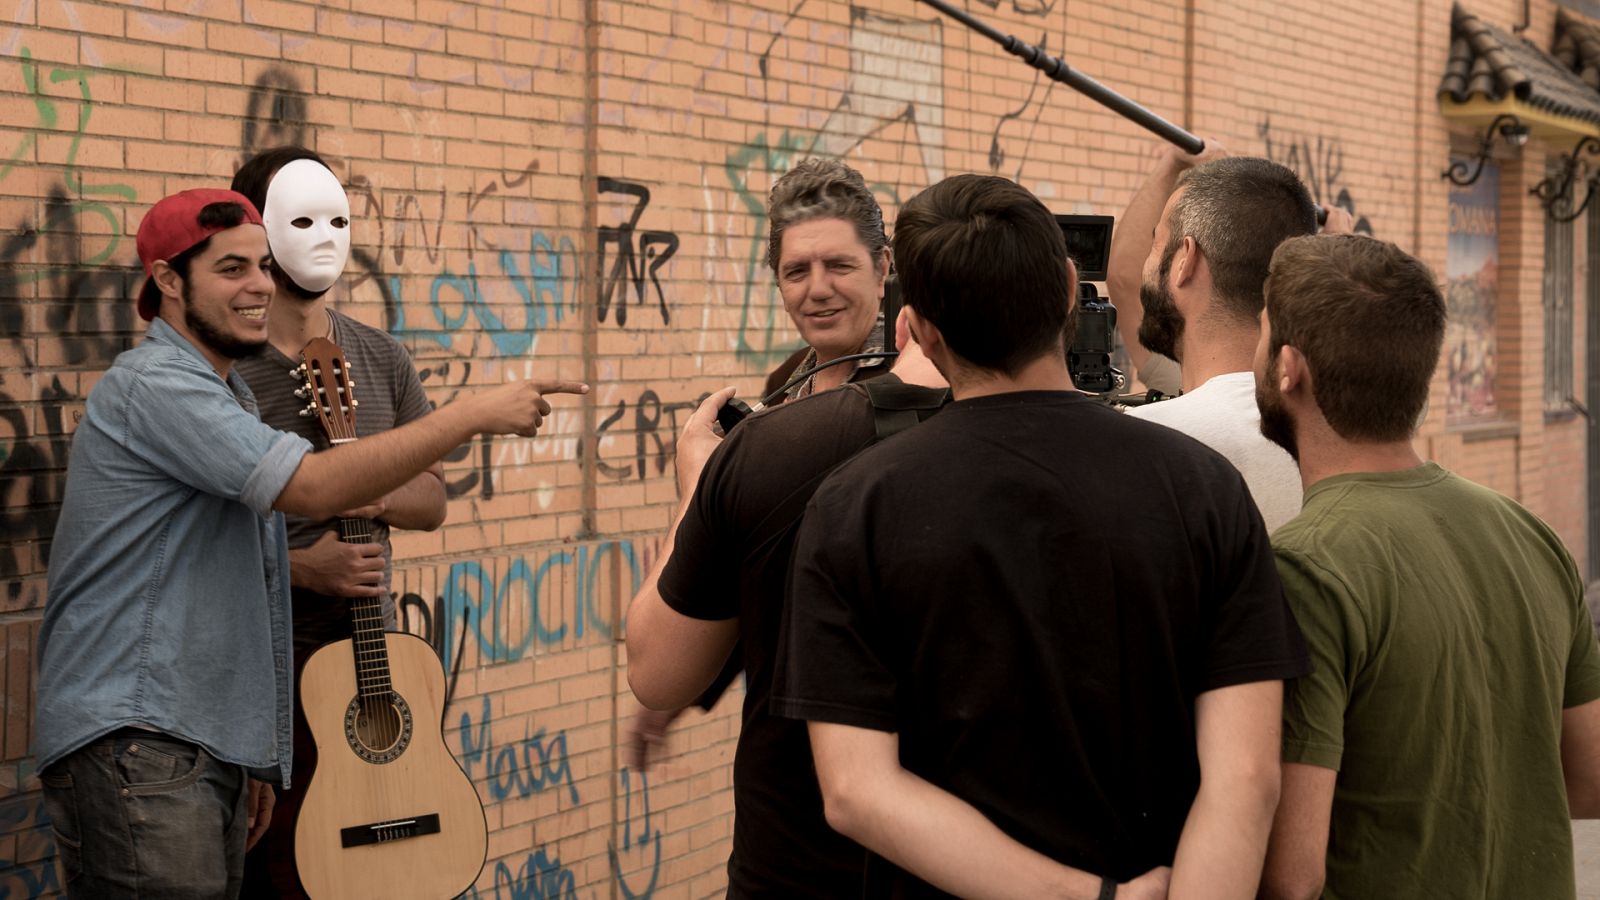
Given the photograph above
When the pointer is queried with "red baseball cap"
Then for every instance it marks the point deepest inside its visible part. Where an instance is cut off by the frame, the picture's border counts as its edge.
(173, 226)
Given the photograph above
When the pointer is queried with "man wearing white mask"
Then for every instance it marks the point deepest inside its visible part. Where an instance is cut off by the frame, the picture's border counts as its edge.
(307, 218)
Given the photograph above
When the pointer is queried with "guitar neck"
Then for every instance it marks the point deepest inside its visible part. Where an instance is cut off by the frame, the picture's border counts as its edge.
(366, 621)
(328, 392)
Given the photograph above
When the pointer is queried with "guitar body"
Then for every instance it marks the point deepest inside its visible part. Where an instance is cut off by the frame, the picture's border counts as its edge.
(388, 812)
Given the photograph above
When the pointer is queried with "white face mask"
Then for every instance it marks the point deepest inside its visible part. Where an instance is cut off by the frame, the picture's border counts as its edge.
(308, 224)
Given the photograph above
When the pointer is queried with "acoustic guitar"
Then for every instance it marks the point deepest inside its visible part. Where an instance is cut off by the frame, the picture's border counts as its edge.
(388, 812)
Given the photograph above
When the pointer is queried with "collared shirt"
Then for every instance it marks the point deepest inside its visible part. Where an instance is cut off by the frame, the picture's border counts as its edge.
(168, 601)
(860, 370)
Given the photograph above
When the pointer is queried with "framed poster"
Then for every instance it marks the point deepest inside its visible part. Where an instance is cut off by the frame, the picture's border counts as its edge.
(1472, 275)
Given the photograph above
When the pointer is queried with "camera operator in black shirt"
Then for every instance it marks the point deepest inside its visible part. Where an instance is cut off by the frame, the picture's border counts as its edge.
(723, 577)
(723, 572)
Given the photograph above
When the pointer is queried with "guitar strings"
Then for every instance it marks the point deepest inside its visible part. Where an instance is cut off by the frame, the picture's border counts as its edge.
(371, 652)
(373, 686)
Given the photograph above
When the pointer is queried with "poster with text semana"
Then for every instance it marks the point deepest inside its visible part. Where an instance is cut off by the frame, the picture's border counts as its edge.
(1472, 273)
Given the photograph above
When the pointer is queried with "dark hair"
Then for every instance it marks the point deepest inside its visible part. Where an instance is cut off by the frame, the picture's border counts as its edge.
(253, 177)
(981, 258)
(252, 180)
(824, 189)
(1369, 319)
(1238, 210)
(218, 216)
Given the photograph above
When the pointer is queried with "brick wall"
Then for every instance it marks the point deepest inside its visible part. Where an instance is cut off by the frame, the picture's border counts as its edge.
(574, 188)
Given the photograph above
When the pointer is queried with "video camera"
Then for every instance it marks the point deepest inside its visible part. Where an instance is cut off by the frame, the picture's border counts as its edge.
(1095, 339)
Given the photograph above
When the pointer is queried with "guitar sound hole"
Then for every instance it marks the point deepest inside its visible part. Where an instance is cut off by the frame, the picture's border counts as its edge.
(379, 726)
(378, 730)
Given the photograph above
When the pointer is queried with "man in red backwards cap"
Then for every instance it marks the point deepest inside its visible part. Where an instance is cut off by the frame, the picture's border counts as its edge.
(164, 656)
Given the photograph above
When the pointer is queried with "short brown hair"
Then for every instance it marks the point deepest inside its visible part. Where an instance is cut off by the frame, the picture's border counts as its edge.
(824, 189)
(1369, 319)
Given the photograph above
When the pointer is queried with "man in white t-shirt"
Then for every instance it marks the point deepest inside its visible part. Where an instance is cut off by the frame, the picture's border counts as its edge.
(1205, 259)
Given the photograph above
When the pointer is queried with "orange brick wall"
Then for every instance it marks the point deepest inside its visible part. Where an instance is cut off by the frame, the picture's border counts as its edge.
(574, 188)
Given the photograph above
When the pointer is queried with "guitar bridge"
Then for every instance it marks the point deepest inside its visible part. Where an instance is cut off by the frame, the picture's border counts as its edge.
(386, 832)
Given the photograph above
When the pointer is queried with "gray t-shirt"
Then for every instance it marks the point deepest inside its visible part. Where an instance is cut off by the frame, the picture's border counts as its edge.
(389, 394)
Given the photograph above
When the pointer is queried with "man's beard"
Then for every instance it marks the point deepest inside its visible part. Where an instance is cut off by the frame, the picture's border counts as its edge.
(1277, 423)
(1161, 329)
(227, 345)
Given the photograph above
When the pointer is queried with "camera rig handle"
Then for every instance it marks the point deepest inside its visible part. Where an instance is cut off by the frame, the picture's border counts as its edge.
(1058, 70)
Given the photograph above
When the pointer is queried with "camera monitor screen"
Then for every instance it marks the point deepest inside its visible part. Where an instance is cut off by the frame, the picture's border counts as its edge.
(1088, 243)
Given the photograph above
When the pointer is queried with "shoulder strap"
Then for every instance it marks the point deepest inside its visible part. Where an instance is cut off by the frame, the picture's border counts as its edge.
(897, 406)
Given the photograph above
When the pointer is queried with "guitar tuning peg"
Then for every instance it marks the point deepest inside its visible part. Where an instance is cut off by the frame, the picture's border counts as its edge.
(354, 403)
(352, 382)
(305, 413)
(298, 371)
(302, 392)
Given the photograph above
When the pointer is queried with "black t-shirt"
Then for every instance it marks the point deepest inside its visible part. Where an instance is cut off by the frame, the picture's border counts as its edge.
(731, 560)
(1031, 590)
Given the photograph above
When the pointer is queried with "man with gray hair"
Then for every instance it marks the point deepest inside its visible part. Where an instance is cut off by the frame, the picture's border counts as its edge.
(721, 573)
(827, 247)
(1204, 259)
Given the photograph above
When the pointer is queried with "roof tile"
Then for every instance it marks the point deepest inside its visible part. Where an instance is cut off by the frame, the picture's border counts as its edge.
(1486, 61)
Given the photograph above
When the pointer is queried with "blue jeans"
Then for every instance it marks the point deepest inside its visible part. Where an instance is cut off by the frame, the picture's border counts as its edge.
(140, 814)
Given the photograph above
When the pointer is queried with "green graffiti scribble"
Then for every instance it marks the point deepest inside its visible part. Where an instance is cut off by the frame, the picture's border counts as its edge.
(774, 159)
(45, 107)
(46, 110)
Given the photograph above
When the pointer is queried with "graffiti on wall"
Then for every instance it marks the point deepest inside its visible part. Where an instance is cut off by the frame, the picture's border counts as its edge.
(540, 877)
(750, 169)
(532, 765)
(1319, 162)
(892, 94)
(639, 843)
(274, 115)
(30, 871)
(1024, 7)
(635, 866)
(1017, 120)
(461, 284)
(637, 258)
(512, 287)
(515, 282)
(654, 424)
(509, 607)
(896, 75)
(426, 618)
(506, 617)
(64, 258)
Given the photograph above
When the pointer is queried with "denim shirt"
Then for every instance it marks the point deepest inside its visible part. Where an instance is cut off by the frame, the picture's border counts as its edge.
(168, 600)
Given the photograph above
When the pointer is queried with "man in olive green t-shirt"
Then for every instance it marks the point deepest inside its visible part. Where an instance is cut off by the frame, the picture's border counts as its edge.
(1452, 723)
